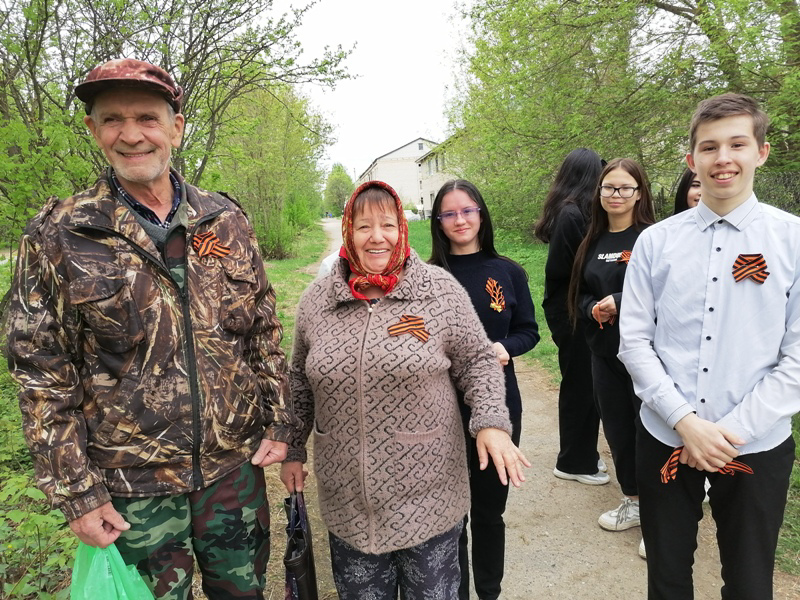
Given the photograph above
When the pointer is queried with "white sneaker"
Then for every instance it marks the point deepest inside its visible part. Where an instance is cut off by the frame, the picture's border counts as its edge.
(642, 550)
(625, 516)
(601, 466)
(598, 478)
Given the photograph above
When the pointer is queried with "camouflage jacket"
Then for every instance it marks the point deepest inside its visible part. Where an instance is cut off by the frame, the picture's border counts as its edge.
(130, 385)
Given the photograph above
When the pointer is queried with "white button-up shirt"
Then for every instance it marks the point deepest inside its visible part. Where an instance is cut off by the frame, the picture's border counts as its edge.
(694, 339)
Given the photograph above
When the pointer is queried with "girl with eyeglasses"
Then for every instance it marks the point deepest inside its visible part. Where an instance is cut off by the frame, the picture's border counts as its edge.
(563, 224)
(622, 208)
(463, 243)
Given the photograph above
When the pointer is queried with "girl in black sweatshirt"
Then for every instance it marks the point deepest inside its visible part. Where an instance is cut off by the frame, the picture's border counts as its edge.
(621, 209)
(563, 223)
(463, 243)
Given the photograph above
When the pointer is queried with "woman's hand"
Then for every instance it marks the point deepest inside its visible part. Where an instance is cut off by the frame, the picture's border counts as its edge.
(505, 455)
(293, 476)
(501, 352)
(605, 310)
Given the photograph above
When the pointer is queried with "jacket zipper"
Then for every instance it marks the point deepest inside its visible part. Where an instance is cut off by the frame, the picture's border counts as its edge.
(188, 338)
(363, 440)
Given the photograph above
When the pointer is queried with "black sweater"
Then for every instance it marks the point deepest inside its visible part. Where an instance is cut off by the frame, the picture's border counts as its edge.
(567, 234)
(603, 275)
(514, 326)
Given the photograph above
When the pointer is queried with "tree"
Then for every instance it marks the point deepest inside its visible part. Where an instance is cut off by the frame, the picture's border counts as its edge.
(268, 158)
(338, 189)
(218, 50)
(546, 76)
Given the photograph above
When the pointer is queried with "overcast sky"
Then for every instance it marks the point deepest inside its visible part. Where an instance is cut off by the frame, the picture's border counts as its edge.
(405, 60)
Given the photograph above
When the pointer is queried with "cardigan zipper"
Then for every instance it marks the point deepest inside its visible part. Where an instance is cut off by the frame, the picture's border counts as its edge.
(363, 440)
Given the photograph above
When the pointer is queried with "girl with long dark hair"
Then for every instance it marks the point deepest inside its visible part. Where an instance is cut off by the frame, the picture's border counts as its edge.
(622, 208)
(463, 243)
(563, 225)
(688, 193)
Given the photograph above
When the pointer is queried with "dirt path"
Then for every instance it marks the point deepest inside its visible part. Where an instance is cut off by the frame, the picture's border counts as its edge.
(555, 548)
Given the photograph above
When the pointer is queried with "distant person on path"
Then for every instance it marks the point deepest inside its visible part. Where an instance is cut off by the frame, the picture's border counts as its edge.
(711, 337)
(563, 224)
(621, 210)
(142, 332)
(688, 193)
(463, 243)
(381, 345)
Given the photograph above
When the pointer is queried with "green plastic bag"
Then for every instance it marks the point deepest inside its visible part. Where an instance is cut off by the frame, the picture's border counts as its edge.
(101, 574)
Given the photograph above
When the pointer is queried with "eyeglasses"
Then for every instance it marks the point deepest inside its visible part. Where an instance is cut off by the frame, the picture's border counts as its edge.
(626, 191)
(452, 215)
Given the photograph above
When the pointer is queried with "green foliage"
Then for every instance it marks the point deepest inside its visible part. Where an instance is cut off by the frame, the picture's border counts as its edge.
(338, 189)
(217, 50)
(269, 156)
(545, 77)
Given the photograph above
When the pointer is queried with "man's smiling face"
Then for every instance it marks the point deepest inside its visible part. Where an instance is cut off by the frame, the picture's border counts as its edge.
(136, 131)
(725, 157)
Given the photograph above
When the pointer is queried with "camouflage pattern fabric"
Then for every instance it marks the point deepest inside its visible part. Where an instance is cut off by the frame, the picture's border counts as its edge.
(225, 527)
(130, 385)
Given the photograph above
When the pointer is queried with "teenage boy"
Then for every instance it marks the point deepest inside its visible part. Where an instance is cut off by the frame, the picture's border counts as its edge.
(710, 334)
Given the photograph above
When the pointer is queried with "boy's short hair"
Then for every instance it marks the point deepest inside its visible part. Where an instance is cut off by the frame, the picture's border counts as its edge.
(729, 105)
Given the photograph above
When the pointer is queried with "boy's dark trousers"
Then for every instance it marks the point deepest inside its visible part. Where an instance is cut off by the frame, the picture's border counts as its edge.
(748, 511)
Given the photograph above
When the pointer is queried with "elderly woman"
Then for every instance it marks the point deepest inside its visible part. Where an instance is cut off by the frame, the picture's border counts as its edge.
(381, 344)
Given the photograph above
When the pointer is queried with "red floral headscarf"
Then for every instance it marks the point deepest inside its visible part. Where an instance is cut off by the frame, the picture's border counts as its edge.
(387, 279)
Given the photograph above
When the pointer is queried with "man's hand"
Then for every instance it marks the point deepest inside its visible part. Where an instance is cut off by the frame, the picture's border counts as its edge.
(505, 455)
(101, 527)
(502, 353)
(269, 452)
(293, 476)
(706, 445)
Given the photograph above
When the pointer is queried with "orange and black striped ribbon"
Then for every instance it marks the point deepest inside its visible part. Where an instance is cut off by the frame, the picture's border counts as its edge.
(750, 266)
(207, 244)
(670, 469)
(624, 256)
(410, 324)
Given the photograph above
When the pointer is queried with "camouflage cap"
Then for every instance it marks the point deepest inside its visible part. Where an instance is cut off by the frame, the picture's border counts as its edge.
(129, 72)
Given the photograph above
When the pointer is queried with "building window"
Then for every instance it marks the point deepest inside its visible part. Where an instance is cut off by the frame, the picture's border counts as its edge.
(442, 162)
(430, 166)
(419, 146)
(437, 163)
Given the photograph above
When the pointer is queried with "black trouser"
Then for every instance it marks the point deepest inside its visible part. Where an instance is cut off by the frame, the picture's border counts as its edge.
(578, 419)
(748, 511)
(619, 408)
(486, 524)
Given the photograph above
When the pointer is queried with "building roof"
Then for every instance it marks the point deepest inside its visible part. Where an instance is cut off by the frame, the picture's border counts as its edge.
(395, 150)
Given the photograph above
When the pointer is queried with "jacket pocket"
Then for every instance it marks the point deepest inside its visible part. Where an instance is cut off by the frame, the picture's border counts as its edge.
(107, 307)
(418, 459)
(237, 306)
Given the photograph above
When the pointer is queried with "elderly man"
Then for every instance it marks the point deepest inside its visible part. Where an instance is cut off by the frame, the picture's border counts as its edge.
(143, 335)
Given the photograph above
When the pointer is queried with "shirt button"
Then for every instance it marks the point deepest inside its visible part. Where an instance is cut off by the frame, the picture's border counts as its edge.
(708, 337)
(705, 369)
(703, 400)
(720, 222)
(710, 309)
(719, 249)
(713, 279)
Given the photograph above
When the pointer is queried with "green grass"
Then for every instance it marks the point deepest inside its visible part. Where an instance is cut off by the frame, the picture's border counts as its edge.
(289, 279)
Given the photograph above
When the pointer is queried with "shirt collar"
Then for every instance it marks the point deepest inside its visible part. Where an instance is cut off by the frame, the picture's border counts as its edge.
(740, 217)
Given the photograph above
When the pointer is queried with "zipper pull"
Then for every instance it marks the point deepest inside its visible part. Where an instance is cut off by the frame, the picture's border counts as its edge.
(369, 306)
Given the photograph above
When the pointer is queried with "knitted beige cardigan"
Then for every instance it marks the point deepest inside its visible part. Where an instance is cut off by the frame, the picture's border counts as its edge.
(389, 449)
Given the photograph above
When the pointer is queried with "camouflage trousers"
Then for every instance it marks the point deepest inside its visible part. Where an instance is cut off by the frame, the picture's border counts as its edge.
(224, 526)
